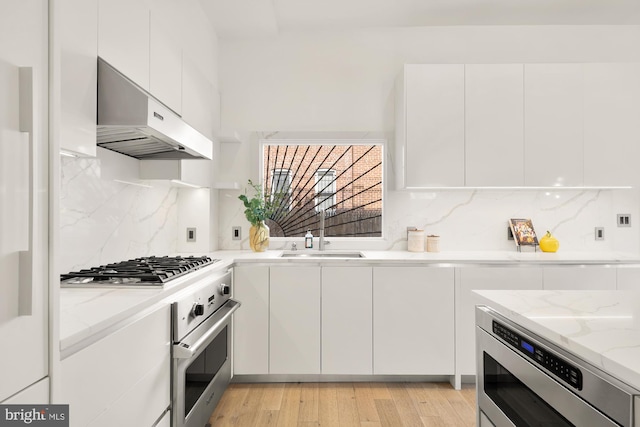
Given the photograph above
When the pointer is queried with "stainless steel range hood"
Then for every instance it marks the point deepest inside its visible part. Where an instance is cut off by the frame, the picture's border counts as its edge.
(134, 123)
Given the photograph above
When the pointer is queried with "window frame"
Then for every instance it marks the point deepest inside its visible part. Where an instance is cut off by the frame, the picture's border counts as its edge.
(289, 181)
(332, 200)
(382, 143)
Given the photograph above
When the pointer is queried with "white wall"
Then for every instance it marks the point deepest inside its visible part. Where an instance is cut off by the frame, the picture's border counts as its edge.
(323, 82)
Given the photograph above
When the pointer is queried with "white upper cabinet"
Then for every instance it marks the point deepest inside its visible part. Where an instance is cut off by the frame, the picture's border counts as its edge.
(165, 78)
(430, 126)
(611, 124)
(123, 37)
(494, 125)
(553, 154)
(200, 100)
(77, 27)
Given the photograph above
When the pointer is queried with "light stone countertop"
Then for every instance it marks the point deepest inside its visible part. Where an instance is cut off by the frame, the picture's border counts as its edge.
(88, 314)
(600, 327)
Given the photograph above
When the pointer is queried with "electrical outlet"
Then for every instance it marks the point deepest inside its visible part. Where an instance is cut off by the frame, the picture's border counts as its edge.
(191, 234)
(236, 233)
(624, 220)
(599, 233)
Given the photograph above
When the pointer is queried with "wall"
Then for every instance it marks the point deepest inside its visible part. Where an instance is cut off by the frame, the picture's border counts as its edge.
(103, 220)
(315, 83)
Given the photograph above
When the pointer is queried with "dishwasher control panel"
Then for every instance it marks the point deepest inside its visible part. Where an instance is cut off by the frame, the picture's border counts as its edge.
(555, 365)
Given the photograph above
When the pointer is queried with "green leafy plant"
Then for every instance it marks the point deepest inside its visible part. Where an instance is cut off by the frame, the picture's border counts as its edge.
(257, 208)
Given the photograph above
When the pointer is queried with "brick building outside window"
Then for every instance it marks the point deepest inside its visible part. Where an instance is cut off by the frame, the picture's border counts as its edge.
(343, 180)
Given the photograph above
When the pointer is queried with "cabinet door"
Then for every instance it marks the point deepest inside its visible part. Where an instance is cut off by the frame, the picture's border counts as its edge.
(123, 37)
(127, 370)
(251, 322)
(294, 320)
(488, 278)
(434, 121)
(628, 278)
(77, 24)
(413, 329)
(165, 78)
(23, 178)
(199, 99)
(553, 111)
(494, 125)
(580, 278)
(611, 125)
(347, 322)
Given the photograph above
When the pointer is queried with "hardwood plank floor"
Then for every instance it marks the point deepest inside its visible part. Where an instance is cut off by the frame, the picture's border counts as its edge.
(346, 404)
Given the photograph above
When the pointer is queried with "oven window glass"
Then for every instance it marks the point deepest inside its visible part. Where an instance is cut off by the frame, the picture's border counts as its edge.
(202, 370)
(521, 405)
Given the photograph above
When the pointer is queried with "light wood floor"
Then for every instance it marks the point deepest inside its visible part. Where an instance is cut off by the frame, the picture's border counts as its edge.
(345, 404)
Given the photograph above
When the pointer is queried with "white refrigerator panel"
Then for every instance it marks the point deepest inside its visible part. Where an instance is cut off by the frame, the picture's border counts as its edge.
(23, 194)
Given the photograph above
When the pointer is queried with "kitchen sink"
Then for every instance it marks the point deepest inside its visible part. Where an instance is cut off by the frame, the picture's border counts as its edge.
(322, 255)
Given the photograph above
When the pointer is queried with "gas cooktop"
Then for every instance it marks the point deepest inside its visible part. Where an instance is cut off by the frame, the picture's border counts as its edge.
(140, 272)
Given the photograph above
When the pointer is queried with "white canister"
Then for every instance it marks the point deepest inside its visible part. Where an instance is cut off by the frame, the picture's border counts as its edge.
(415, 240)
(433, 243)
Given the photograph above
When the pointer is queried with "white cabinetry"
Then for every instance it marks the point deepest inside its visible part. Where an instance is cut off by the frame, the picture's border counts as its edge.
(24, 193)
(123, 37)
(294, 320)
(347, 322)
(200, 100)
(77, 28)
(553, 112)
(165, 78)
(582, 277)
(628, 278)
(123, 379)
(413, 329)
(430, 126)
(251, 322)
(488, 278)
(611, 125)
(494, 125)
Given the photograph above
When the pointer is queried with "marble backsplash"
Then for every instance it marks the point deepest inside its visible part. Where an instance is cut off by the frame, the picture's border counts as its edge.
(103, 221)
(471, 220)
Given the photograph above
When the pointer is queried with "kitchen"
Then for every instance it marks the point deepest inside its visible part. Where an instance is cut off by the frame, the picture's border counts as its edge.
(245, 78)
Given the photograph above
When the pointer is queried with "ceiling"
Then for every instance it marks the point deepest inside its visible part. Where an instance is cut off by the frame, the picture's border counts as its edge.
(259, 18)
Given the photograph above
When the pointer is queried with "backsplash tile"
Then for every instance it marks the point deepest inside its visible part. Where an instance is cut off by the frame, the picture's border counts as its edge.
(471, 220)
(104, 221)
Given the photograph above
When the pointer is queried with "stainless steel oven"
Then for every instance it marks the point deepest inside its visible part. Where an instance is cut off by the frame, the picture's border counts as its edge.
(201, 351)
(524, 380)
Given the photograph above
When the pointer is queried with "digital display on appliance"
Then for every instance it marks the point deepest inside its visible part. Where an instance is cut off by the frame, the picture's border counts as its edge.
(527, 346)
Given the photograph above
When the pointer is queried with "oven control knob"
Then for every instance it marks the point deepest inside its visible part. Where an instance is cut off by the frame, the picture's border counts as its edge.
(225, 289)
(197, 309)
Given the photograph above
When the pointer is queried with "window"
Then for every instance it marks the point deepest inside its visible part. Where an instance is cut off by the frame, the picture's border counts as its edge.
(281, 187)
(325, 191)
(344, 180)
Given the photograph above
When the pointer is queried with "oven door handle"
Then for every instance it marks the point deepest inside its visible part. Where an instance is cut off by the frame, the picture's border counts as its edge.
(220, 318)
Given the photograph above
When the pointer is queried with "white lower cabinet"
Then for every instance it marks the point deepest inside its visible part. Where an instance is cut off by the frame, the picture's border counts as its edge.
(251, 321)
(122, 379)
(413, 329)
(628, 278)
(488, 278)
(347, 322)
(294, 320)
(580, 277)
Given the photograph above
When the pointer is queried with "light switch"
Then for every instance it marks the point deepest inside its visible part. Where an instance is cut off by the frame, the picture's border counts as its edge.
(191, 234)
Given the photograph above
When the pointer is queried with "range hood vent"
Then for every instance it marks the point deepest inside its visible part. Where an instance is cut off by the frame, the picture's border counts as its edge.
(134, 123)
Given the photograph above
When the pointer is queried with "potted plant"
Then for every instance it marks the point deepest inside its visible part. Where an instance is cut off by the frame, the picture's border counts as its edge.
(257, 210)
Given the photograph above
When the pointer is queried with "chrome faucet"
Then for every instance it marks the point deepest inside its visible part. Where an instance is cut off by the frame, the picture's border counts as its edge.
(321, 242)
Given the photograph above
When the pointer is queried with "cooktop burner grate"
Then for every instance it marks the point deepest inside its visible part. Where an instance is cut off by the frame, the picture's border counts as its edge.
(151, 270)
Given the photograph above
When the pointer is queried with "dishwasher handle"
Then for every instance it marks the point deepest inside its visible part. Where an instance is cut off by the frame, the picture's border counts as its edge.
(215, 324)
